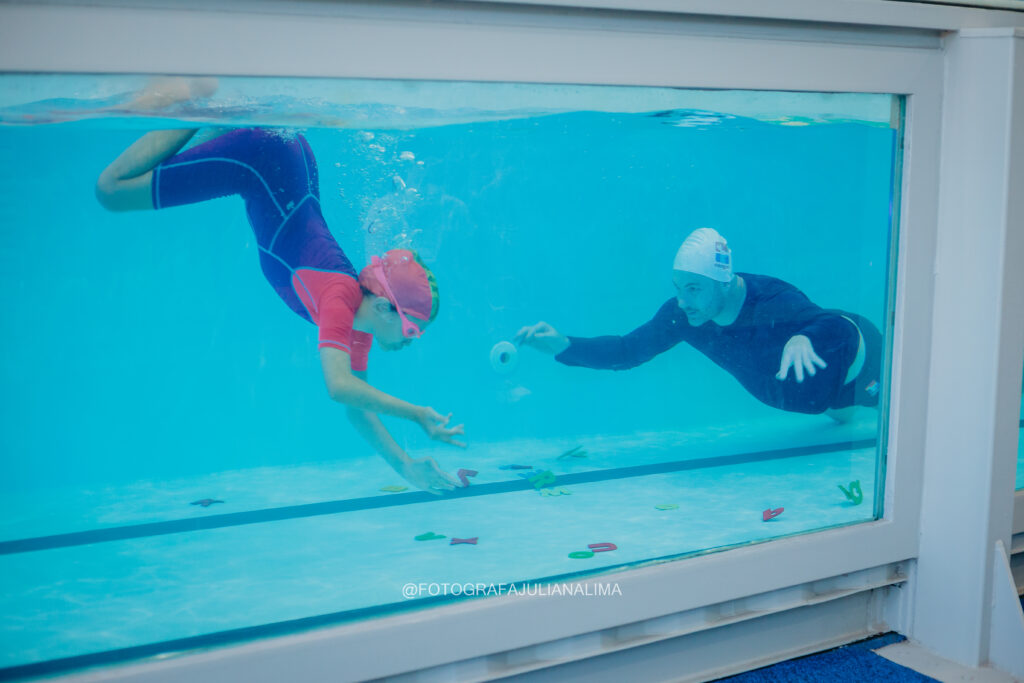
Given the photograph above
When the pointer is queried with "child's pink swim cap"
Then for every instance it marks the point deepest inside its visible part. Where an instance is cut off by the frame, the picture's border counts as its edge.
(410, 280)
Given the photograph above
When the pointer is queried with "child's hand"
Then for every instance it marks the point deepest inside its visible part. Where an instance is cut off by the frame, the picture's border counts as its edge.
(436, 426)
(425, 474)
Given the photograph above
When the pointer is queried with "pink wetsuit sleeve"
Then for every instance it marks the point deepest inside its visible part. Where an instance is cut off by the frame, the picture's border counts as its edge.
(337, 310)
(361, 342)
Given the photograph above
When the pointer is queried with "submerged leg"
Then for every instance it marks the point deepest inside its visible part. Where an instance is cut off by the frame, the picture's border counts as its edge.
(126, 184)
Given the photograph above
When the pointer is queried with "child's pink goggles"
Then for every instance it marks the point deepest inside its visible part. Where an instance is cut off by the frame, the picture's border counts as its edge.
(410, 330)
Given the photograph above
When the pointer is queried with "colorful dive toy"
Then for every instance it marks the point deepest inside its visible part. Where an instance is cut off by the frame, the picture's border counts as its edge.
(594, 548)
(515, 467)
(205, 502)
(471, 541)
(542, 479)
(462, 474)
(577, 452)
(771, 514)
(854, 494)
(603, 547)
(393, 489)
(666, 506)
(429, 536)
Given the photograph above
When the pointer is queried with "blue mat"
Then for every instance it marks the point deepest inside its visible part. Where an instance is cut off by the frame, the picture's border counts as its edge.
(855, 663)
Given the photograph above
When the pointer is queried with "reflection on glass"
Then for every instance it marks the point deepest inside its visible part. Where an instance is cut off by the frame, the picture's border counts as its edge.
(657, 312)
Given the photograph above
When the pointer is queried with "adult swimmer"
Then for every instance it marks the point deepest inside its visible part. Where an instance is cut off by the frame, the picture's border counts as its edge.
(393, 299)
(755, 327)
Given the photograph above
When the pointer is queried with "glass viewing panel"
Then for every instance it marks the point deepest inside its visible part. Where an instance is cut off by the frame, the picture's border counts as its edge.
(621, 274)
(1020, 450)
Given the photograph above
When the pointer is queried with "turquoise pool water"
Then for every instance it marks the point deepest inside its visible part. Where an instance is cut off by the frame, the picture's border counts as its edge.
(147, 365)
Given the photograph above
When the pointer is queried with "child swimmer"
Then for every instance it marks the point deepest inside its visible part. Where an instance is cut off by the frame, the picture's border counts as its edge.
(393, 299)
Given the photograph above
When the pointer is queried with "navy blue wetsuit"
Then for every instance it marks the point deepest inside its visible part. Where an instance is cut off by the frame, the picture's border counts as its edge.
(277, 176)
(750, 349)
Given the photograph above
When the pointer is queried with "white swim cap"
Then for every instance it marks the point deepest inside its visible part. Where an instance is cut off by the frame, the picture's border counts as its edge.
(706, 253)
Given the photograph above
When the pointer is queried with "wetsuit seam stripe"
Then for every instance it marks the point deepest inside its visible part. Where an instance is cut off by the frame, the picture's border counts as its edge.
(156, 187)
(296, 276)
(291, 279)
(287, 218)
(283, 262)
(344, 346)
(239, 163)
(305, 164)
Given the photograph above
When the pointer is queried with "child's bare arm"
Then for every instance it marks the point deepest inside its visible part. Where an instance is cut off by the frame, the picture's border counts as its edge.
(346, 387)
(424, 473)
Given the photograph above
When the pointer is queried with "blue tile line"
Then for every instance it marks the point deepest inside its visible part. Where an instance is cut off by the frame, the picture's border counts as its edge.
(122, 533)
(180, 645)
(137, 652)
(278, 628)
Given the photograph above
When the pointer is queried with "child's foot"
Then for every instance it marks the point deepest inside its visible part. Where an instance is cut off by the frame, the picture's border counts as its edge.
(165, 91)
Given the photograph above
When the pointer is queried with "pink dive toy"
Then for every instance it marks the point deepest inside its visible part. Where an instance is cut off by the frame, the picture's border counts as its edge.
(462, 474)
(602, 547)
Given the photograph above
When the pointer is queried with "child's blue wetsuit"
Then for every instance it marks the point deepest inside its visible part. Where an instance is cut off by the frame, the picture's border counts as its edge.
(276, 174)
(750, 349)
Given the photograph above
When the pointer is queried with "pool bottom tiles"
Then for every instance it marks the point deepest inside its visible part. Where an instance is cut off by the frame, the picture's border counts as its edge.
(86, 599)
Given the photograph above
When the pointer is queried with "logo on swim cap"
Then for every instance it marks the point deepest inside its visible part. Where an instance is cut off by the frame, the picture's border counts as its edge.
(722, 256)
(706, 253)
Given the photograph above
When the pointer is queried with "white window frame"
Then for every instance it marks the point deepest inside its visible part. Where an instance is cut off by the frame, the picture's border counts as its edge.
(518, 42)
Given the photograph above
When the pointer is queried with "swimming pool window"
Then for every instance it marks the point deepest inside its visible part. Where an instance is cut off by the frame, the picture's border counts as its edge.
(661, 314)
(1020, 453)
